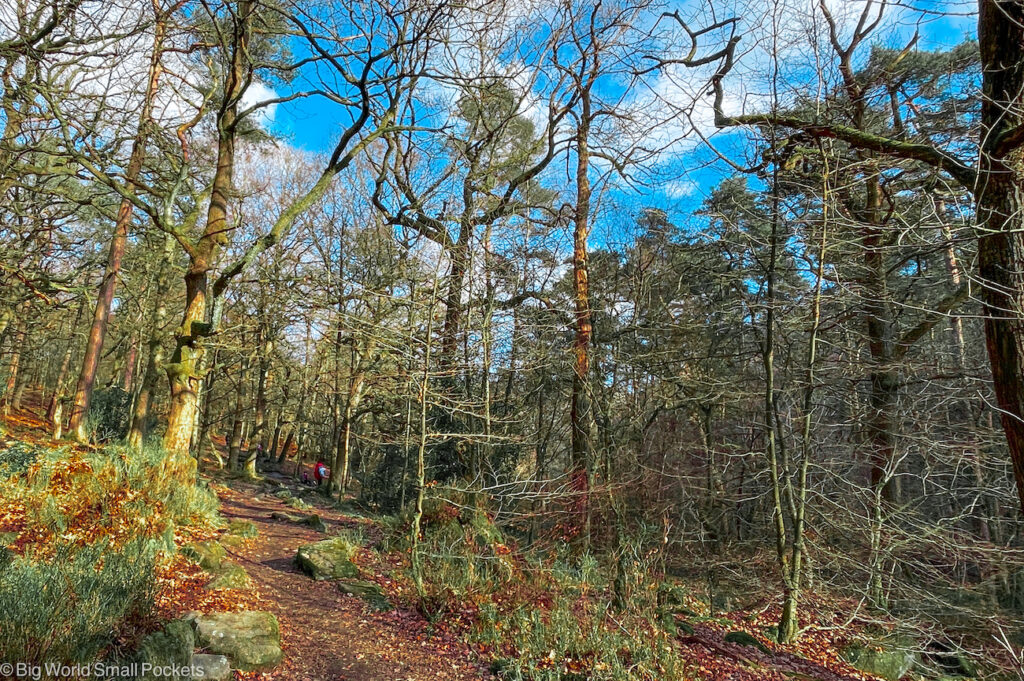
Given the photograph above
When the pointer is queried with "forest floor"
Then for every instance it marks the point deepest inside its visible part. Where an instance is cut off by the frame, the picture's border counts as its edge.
(325, 634)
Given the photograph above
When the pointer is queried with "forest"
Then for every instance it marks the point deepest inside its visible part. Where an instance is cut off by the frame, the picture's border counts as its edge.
(543, 340)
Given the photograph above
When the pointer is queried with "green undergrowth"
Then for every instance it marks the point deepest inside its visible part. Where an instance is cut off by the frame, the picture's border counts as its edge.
(538, 615)
(82, 534)
(67, 606)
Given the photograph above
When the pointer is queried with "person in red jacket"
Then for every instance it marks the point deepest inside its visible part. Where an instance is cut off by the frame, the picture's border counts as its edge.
(319, 472)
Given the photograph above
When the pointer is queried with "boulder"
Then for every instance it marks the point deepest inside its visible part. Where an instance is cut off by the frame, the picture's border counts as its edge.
(214, 667)
(287, 517)
(171, 646)
(208, 554)
(251, 640)
(243, 528)
(948, 661)
(744, 639)
(328, 559)
(296, 502)
(368, 591)
(721, 602)
(230, 576)
(889, 659)
(316, 522)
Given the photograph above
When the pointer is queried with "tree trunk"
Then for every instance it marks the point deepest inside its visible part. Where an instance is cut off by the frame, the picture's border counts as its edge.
(101, 313)
(55, 409)
(155, 357)
(459, 257)
(183, 371)
(879, 323)
(236, 428)
(17, 343)
(1000, 206)
(259, 429)
(580, 415)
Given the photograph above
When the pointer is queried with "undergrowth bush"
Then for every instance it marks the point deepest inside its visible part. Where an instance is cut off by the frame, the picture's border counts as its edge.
(109, 414)
(67, 607)
(84, 530)
(17, 457)
(544, 616)
(575, 640)
(463, 556)
(353, 536)
(113, 493)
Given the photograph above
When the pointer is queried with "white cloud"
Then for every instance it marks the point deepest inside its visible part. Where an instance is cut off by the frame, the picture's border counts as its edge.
(259, 92)
(678, 189)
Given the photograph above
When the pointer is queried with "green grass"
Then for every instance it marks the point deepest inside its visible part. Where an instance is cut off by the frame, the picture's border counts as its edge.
(66, 607)
(89, 529)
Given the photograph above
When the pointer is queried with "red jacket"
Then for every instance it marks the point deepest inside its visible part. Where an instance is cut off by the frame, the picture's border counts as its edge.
(319, 471)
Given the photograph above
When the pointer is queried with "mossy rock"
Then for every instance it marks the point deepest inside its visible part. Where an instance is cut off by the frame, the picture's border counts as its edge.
(251, 639)
(283, 494)
(171, 646)
(368, 591)
(286, 517)
(889, 659)
(230, 576)
(212, 667)
(721, 602)
(744, 639)
(949, 663)
(316, 522)
(297, 503)
(243, 528)
(328, 559)
(209, 554)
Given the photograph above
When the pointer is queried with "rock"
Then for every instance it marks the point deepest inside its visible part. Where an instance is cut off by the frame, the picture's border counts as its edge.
(283, 494)
(744, 639)
(721, 603)
(171, 646)
(368, 591)
(214, 667)
(287, 517)
(328, 559)
(316, 522)
(208, 554)
(889, 659)
(251, 639)
(298, 503)
(950, 662)
(230, 576)
(243, 528)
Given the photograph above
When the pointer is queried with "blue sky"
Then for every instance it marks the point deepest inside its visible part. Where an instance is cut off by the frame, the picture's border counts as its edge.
(684, 178)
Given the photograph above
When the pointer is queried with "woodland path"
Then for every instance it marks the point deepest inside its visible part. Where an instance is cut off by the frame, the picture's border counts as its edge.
(327, 635)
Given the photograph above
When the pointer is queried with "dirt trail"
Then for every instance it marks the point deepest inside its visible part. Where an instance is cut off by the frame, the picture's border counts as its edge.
(327, 635)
